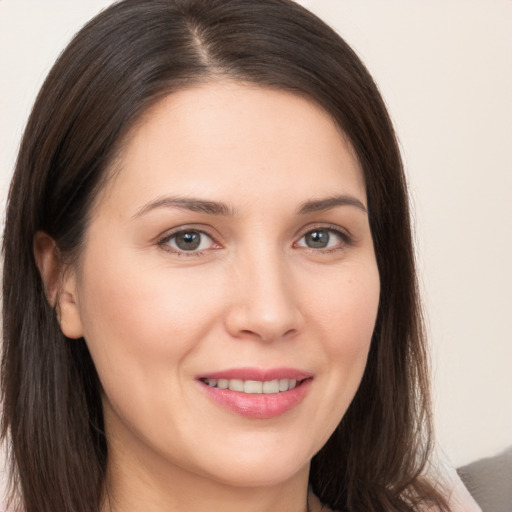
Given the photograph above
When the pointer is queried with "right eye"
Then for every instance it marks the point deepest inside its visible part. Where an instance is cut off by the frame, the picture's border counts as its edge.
(190, 241)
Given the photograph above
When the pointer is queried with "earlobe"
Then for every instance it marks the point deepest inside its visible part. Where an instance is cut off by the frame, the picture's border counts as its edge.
(69, 315)
(59, 285)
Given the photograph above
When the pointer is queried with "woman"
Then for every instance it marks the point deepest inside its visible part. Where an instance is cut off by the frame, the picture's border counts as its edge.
(209, 289)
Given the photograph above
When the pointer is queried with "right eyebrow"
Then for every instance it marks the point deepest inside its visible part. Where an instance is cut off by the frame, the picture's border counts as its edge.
(187, 203)
(328, 203)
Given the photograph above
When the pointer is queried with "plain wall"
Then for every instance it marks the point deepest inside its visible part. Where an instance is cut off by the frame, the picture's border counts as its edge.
(445, 71)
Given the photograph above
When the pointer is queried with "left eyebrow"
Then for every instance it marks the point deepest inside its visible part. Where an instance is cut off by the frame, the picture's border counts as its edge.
(187, 203)
(320, 205)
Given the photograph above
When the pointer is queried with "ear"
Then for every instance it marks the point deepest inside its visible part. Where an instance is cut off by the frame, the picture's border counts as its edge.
(59, 284)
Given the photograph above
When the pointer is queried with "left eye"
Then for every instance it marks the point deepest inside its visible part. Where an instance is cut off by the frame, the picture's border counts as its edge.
(320, 239)
(190, 241)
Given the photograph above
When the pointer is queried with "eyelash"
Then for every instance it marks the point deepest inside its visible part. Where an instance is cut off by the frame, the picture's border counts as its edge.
(346, 240)
(164, 242)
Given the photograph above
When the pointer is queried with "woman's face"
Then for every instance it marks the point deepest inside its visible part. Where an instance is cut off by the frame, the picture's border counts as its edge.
(231, 248)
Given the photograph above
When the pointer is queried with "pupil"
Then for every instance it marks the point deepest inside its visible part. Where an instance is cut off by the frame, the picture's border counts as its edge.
(317, 239)
(188, 241)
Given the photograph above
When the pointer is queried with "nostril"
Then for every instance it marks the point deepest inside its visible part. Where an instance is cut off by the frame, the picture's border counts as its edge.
(267, 334)
(266, 312)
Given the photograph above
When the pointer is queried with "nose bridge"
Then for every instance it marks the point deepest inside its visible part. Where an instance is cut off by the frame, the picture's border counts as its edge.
(265, 305)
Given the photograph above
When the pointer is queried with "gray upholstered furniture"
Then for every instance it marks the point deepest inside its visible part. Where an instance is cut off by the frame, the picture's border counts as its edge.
(489, 481)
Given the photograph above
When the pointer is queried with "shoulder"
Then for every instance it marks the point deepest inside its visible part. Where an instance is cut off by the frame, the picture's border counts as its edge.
(458, 497)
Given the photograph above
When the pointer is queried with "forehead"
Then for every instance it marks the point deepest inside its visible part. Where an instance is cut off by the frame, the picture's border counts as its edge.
(235, 140)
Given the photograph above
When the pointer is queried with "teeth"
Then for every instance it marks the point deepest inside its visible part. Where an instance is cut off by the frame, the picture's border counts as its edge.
(271, 386)
(255, 387)
(284, 384)
(236, 385)
(222, 383)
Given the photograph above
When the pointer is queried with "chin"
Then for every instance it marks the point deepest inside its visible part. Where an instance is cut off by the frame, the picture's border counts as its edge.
(266, 475)
(258, 468)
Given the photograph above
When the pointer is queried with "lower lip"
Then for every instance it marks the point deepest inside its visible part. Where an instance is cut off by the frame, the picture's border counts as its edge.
(260, 406)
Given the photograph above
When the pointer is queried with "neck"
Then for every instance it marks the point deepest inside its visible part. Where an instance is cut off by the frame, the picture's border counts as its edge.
(144, 495)
(137, 483)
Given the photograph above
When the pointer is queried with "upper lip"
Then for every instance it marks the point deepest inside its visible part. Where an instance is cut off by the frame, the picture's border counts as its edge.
(260, 374)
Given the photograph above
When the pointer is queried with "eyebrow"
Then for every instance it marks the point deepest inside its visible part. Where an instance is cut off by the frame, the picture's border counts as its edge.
(187, 203)
(320, 205)
(219, 208)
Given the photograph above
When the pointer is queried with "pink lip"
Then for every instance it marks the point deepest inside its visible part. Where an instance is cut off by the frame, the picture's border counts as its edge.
(260, 406)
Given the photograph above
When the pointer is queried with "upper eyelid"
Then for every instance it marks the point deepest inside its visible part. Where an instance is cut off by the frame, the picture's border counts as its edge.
(325, 226)
(166, 235)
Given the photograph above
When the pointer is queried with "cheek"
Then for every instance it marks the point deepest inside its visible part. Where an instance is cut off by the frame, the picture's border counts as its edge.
(134, 314)
(343, 316)
(347, 313)
(347, 310)
(140, 324)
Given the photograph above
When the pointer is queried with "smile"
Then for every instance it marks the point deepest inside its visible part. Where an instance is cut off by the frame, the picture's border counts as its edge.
(255, 393)
(255, 387)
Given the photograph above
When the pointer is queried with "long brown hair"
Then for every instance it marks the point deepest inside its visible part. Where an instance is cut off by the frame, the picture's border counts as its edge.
(119, 64)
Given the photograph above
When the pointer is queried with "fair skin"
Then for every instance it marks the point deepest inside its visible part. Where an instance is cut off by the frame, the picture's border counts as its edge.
(268, 273)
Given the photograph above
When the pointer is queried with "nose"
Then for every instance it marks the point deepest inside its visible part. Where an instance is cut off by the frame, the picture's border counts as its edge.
(264, 303)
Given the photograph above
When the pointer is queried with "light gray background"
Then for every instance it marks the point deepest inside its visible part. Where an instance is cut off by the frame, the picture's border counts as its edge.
(445, 70)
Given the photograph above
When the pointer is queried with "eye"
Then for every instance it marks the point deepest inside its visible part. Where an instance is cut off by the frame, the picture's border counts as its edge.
(322, 238)
(189, 240)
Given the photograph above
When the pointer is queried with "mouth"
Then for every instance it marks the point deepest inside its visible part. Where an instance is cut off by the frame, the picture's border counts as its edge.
(254, 387)
(254, 393)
